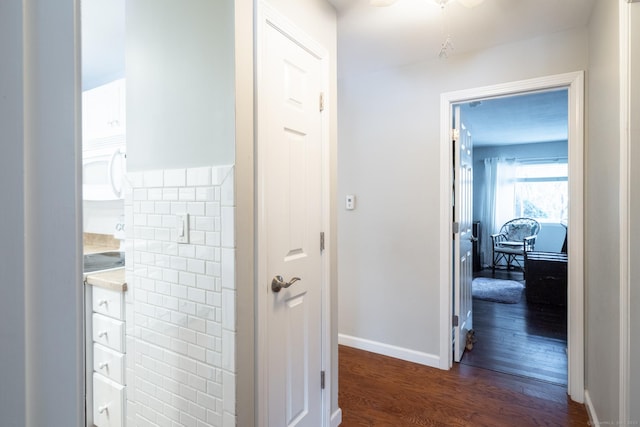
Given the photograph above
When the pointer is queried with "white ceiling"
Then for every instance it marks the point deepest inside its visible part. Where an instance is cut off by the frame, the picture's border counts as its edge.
(413, 30)
(522, 119)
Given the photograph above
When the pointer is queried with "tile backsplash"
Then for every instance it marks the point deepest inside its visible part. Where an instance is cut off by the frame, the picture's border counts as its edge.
(181, 325)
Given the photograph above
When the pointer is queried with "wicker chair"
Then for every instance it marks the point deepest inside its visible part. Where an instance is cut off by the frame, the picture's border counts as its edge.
(516, 237)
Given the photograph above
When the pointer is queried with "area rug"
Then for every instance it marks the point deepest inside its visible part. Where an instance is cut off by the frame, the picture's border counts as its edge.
(497, 290)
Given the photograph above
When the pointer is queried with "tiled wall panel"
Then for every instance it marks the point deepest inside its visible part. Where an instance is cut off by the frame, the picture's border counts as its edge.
(181, 324)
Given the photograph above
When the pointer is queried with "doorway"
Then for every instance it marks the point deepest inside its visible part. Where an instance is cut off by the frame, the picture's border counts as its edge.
(573, 83)
(520, 178)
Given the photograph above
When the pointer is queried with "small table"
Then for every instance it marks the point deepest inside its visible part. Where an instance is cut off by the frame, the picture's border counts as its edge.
(546, 277)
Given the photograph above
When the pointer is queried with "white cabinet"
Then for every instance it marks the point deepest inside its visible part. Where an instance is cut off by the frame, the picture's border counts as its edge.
(104, 111)
(107, 349)
(108, 402)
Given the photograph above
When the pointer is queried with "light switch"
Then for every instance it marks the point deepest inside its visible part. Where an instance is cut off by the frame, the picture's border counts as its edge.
(182, 228)
(350, 202)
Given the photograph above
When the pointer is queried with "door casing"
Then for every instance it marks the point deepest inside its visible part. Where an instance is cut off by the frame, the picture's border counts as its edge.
(574, 82)
(268, 16)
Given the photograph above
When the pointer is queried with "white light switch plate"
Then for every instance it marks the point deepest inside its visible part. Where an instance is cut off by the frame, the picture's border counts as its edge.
(182, 228)
(350, 202)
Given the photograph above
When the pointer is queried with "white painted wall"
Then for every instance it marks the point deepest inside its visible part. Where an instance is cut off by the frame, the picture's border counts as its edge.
(602, 210)
(180, 84)
(389, 158)
(41, 381)
(634, 233)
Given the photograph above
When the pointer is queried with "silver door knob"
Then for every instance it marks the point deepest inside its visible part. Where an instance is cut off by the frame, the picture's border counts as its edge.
(278, 283)
(473, 238)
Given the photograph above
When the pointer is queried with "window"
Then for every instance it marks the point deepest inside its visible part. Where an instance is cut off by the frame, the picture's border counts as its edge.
(542, 191)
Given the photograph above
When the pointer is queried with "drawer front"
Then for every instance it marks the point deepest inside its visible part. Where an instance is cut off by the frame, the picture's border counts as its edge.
(108, 332)
(108, 402)
(108, 302)
(109, 363)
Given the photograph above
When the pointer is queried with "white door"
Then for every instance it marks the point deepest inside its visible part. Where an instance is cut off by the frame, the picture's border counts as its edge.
(463, 234)
(292, 185)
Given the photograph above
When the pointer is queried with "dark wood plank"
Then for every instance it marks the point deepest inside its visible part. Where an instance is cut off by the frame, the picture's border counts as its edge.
(528, 340)
(376, 390)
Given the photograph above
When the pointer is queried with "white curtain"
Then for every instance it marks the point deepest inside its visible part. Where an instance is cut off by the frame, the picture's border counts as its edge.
(497, 200)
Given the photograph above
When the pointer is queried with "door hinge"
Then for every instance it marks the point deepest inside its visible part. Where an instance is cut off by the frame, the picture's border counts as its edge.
(322, 241)
(321, 102)
(456, 227)
(455, 320)
(455, 134)
(322, 380)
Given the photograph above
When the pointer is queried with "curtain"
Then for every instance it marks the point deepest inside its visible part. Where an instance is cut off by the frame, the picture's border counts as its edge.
(497, 200)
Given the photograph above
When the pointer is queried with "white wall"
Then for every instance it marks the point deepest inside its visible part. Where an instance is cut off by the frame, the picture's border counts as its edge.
(181, 310)
(180, 84)
(389, 158)
(634, 233)
(602, 209)
(41, 381)
(180, 133)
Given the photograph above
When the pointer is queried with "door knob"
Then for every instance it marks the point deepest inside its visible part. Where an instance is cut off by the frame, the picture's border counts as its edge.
(278, 283)
(473, 238)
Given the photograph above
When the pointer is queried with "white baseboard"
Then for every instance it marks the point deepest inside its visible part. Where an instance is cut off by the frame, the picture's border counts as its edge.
(409, 355)
(336, 418)
(591, 411)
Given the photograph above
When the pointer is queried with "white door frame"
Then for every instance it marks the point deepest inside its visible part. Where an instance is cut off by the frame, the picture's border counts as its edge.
(574, 82)
(268, 16)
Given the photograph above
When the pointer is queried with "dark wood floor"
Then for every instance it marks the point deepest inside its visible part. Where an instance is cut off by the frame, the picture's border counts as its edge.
(377, 390)
(524, 339)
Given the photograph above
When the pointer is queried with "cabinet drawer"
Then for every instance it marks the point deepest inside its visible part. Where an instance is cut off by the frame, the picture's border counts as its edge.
(108, 402)
(108, 332)
(108, 363)
(108, 302)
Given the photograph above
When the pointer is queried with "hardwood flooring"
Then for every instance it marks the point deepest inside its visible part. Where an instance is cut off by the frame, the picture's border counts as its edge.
(522, 339)
(376, 390)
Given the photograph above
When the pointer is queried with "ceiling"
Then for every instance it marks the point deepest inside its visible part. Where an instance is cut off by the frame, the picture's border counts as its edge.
(522, 119)
(413, 30)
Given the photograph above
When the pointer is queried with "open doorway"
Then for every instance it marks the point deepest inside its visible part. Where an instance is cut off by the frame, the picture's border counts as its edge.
(520, 207)
(574, 84)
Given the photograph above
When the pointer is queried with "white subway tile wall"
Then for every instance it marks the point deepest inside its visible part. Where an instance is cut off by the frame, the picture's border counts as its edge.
(181, 317)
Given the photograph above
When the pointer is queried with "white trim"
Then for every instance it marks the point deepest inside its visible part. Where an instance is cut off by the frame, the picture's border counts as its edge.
(574, 82)
(401, 353)
(268, 16)
(591, 410)
(336, 418)
(624, 225)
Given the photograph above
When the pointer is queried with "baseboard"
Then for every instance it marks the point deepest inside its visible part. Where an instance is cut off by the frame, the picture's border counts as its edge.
(591, 411)
(336, 418)
(409, 355)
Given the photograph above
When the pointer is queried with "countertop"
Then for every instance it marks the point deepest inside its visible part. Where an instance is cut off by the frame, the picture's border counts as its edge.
(109, 279)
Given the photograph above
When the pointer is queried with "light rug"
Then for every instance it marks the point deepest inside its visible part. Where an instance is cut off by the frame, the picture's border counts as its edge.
(497, 290)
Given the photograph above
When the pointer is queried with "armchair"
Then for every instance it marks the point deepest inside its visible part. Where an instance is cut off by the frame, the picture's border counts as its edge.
(516, 237)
